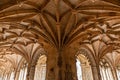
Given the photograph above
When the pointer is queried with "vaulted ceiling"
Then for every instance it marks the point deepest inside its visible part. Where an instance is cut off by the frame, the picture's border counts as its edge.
(26, 25)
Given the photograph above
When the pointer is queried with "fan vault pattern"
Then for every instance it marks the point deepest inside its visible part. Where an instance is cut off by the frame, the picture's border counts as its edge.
(27, 25)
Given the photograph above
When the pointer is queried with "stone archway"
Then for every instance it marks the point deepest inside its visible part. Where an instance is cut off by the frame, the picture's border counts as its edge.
(40, 69)
(94, 66)
(32, 65)
(85, 68)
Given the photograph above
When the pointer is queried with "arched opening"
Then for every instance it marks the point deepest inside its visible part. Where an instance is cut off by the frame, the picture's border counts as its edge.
(40, 70)
(105, 70)
(84, 71)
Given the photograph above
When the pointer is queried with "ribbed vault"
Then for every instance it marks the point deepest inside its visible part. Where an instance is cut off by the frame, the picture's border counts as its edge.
(27, 26)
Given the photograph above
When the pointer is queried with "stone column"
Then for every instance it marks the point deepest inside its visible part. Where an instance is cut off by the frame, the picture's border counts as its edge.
(17, 75)
(72, 61)
(32, 72)
(28, 71)
(51, 64)
(61, 65)
(66, 65)
(96, 72)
